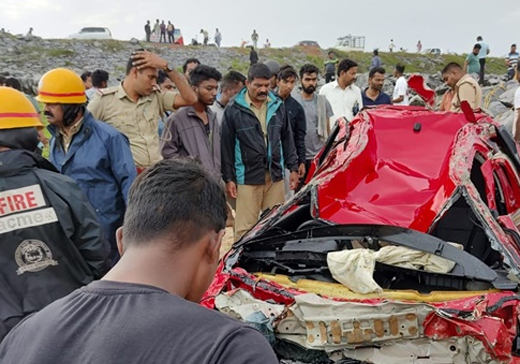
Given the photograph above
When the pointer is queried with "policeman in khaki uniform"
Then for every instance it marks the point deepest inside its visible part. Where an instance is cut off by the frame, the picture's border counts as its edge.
(136, 105)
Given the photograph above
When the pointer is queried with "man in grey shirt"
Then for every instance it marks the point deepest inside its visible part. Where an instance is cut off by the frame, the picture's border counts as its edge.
(317, 113)
(144, 310)
(193, 131)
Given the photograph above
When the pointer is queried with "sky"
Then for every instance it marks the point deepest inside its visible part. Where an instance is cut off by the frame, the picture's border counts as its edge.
(451, 25)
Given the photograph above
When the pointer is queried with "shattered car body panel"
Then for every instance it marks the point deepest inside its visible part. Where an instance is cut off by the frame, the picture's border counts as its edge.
(394, 176)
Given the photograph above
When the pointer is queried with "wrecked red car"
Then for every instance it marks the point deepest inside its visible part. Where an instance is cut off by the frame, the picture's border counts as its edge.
(403, 247)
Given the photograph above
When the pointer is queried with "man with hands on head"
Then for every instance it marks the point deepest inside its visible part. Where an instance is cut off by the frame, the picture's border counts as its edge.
(136, 105)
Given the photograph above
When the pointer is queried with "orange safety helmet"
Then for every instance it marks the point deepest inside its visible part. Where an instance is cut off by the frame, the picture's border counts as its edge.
(61, 86)
(16, 111)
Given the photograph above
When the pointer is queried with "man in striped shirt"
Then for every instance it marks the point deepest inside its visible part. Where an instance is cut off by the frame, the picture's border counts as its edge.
(511, 62)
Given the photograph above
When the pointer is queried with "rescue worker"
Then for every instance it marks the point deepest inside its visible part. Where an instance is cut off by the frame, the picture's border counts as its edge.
(91, 152)
(50, 235)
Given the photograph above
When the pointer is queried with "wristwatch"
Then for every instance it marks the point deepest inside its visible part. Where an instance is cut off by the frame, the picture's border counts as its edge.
(167, 68)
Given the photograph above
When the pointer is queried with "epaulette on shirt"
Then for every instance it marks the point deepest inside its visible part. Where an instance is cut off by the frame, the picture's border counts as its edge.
(107, 91)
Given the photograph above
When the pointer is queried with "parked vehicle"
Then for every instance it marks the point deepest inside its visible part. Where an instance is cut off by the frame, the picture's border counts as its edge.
(92, 33)
(435, 51)
(403, 247)
(308, 43)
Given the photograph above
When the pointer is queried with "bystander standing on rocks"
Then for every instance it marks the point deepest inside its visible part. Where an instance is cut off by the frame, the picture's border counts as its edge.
(511, 62)
(472, 63)
(516, 122)
(330, 67)
(482, 55)
(376, 60)
(157, 30)
(253, 56)
(218, 37)
(148, 30)
(400, 95)
(254, 38)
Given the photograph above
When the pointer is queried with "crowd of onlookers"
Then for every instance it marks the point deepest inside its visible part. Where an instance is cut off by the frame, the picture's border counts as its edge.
(134, 186)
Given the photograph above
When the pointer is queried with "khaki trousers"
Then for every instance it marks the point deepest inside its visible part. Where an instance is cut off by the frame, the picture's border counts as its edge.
(252, 200)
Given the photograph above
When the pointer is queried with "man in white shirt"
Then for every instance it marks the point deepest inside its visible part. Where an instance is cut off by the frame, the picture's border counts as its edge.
(344, 97)
(516, 122)
(400, 96)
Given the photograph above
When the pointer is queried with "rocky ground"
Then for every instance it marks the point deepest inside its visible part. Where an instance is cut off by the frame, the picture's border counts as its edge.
(28, 58)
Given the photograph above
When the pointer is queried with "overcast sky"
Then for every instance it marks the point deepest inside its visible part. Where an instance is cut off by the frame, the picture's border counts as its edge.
(447, 24)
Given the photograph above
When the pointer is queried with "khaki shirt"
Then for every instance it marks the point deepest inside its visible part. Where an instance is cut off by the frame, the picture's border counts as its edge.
(139, 121)
(66, 139)
(260, 113)
(467, 89)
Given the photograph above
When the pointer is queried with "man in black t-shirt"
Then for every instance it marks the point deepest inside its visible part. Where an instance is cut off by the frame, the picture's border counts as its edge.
(140, 312)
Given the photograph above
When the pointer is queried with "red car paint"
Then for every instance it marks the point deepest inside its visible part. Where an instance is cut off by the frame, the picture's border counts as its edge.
(404, 166)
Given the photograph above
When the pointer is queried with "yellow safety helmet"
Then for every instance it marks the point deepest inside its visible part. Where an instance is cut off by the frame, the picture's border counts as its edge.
(16, 111)
(61, 86)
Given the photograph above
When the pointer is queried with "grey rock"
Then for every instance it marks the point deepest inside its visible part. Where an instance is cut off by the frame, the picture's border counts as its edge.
(134, 41)
(496, 108)
(508, 97)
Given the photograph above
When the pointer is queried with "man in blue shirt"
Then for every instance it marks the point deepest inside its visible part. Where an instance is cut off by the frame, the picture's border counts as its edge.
(472, 63)
(373, 94)
(91, 152)
(482, 55)
(376, 60)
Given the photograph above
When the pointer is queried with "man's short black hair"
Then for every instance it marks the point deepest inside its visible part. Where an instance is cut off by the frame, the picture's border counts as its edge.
(130, 63)
(85, 75)
(161, 77)
(345, 65)
(99, 77)
(175, 200)
(477, 46)
(308, 69)
(376, 52)
(375, 70)
(187, 62)
(13, 83)
(513, 45)
(399, 68)
(232, 79)
(287, 72)
(203, 73)
(451, 66)
(479, 38)
(258, 70)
